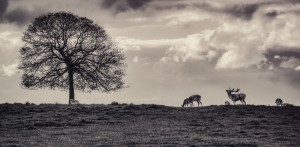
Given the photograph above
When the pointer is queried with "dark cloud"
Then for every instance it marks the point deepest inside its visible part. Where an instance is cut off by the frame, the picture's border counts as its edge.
(294, 1)
(108, 3)
(275, 57)
(119, 6)
(178, 6)
(245, 11)
(283, 52)
(3, 7)
(19, 16)
(272, 14)
(136, 4)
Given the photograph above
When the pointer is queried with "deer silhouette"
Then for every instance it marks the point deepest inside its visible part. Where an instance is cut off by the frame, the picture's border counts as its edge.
(191, 99)
(227, 103)
(196, 98)
(236, 97)
(186, 102)
(279, 102)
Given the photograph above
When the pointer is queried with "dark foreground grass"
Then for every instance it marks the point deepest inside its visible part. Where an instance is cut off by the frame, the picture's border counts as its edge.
(148, 125)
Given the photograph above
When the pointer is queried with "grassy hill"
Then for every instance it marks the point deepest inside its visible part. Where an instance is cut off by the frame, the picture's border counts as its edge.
(153, 125)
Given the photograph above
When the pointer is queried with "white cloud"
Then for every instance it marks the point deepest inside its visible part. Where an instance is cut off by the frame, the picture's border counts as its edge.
(277, 57)
(242, 42)
(237, 44)
(211, 55)
(283, 32)
(131, 44)
(10, 70)
(291, 63)
(10, 43)
(138, 19)
(297, 68)
(184, 18)
(9, 37)
(135, 59)
(194, 47)
(237, 59)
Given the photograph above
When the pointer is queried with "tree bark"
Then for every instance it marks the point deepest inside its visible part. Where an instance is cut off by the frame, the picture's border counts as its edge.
(71, 85)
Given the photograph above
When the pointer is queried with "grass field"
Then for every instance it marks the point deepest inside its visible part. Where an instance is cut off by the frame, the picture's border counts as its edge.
(148, 125)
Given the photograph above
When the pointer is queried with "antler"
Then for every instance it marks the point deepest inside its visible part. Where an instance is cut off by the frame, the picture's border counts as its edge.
(237, 90)
(232, 90)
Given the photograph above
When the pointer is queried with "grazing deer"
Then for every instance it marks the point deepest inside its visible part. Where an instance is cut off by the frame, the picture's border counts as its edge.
(227, 103)
(191, 99)
(74, 101)
(278, 102)
(236, 97)
(186, 102)
(196, 98)
(287, 105)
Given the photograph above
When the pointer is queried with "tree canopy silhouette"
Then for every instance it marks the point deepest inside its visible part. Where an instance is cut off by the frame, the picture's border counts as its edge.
(69, 52)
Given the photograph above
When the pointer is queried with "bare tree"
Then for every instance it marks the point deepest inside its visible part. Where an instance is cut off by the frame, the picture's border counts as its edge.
(69, 52)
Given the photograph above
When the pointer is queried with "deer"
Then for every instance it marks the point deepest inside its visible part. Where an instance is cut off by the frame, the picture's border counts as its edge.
(236, 97)
(190, 100)
(196, 98)
(278, 102)
(186, 102)
(287, 105)
(227, 103)
(74, 101)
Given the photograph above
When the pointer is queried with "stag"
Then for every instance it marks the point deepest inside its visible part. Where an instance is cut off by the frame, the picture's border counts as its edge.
(279, 102)
(236, 97)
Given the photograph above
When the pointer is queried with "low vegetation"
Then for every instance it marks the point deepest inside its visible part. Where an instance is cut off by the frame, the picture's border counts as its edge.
(122, 124)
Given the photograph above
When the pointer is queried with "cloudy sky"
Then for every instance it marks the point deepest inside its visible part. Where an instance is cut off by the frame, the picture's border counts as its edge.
(174, 49)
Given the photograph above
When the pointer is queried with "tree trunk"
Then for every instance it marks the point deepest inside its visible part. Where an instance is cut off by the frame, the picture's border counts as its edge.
(71, 86)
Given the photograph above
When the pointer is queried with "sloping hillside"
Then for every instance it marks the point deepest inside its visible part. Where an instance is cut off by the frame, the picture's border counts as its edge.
(153, 125)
